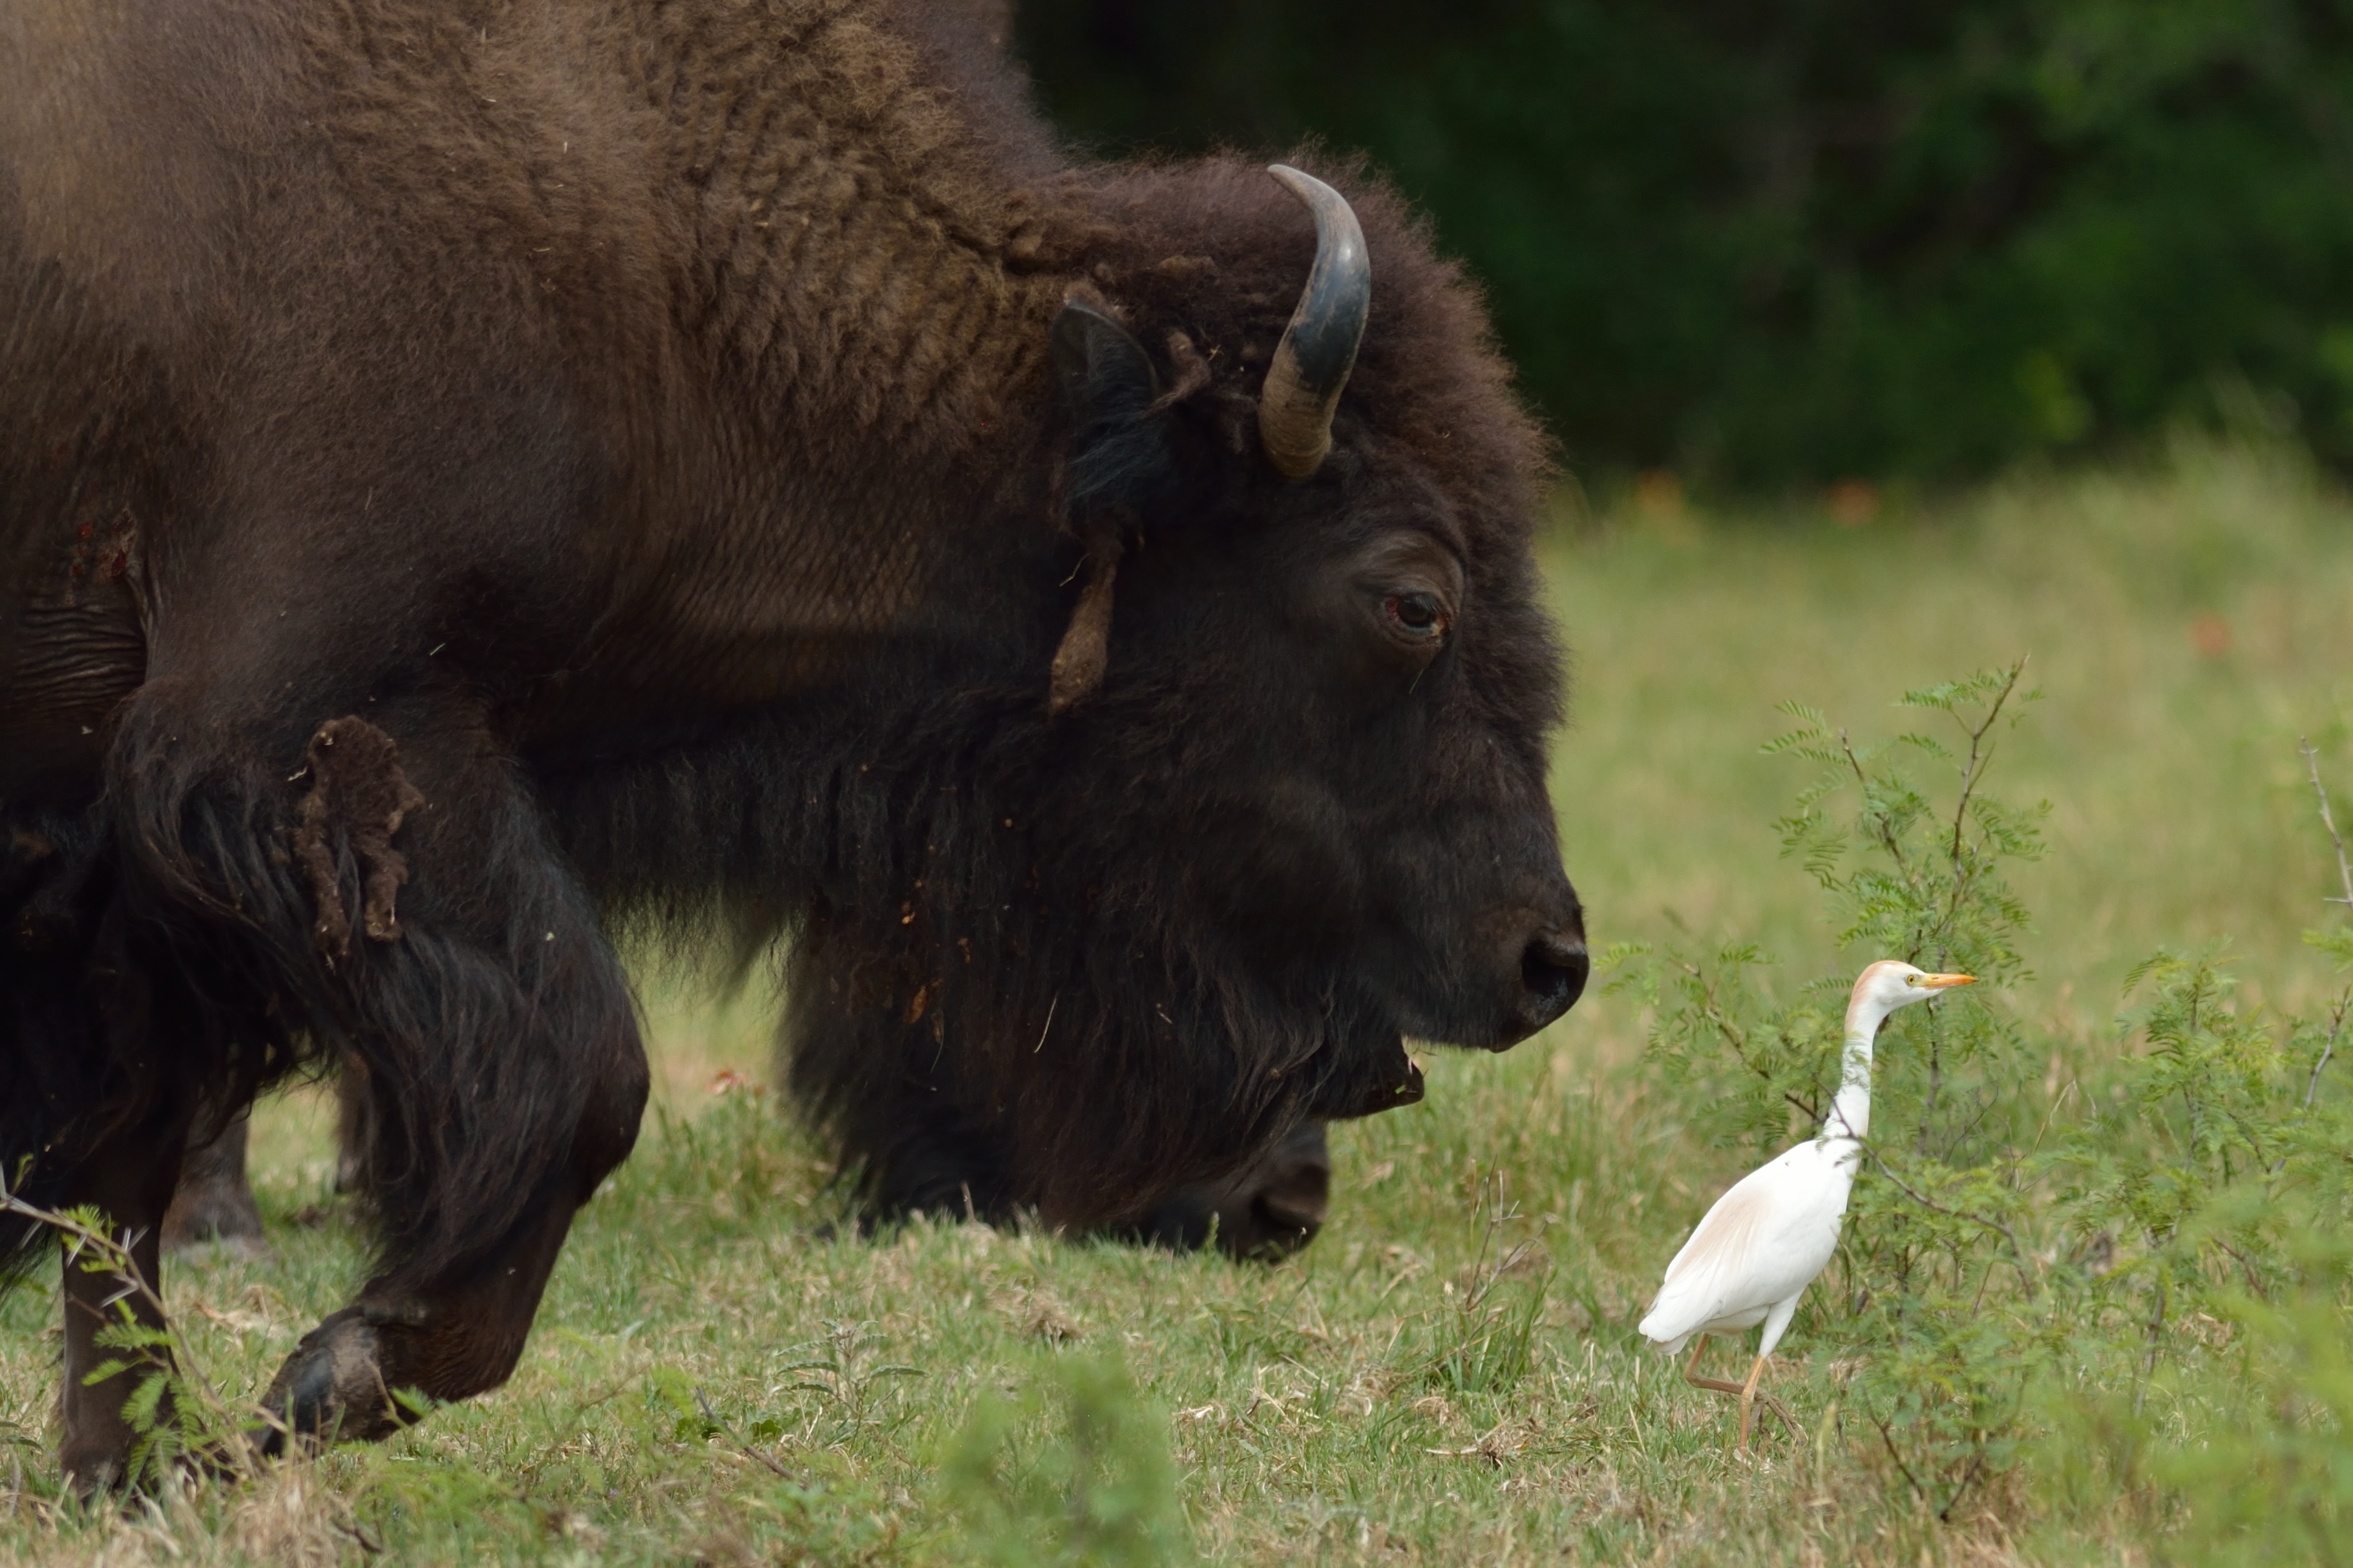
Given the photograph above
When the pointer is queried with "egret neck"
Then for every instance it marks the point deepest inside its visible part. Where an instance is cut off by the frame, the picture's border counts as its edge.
(1849, 1114)
(1882, 989)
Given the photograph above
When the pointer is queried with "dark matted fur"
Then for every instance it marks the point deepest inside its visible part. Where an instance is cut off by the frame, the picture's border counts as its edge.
(639, 412)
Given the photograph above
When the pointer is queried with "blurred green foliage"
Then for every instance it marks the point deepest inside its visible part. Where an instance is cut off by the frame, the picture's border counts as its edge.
(1792, 241)
(1102, 1494)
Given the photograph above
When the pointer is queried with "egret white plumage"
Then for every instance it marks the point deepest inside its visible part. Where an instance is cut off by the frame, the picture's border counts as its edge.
(1753, 1253)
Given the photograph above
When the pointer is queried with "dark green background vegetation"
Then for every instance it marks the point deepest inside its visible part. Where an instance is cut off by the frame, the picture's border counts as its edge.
(1767, 242)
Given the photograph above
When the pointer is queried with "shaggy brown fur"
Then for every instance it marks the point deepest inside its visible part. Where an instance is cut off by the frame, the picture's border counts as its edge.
(646, 416)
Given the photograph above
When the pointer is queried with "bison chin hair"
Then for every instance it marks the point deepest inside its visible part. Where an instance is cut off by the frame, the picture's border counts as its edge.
(998, 995)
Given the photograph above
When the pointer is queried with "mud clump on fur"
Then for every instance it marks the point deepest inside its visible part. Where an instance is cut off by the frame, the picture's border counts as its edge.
(357, 790)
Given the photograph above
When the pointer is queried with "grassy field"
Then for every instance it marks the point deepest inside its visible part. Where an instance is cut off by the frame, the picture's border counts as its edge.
(1450, 1375)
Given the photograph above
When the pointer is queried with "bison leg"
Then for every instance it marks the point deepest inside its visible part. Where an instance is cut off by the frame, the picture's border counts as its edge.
(1271, 1208)
(390, 876)
(130, 1183)
(446, 1316)
(452, 1330)
(214, 1203)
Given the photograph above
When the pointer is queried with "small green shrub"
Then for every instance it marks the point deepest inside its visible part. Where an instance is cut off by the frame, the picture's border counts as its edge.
(1077, 1476)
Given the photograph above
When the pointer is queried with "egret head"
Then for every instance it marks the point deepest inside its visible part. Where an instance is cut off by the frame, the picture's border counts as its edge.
(1892, 984)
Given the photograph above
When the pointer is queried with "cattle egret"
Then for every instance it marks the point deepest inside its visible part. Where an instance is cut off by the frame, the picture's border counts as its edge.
(1758, 1249)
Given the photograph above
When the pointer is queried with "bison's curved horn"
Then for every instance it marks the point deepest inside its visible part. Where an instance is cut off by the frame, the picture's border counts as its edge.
(1319, 348)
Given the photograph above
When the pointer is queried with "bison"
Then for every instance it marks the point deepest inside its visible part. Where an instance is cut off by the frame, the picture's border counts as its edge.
(480, 481)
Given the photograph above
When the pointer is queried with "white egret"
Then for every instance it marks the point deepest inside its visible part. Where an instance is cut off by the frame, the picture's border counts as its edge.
(1753, 1253)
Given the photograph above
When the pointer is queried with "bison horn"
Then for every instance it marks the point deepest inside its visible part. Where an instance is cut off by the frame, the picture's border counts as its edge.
(1319, 348)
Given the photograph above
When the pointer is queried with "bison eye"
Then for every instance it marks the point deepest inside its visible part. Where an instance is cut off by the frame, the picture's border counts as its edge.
(1420, 615)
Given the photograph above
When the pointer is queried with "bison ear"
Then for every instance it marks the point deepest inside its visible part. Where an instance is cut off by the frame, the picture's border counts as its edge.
(1119, 447)
(1102, 367)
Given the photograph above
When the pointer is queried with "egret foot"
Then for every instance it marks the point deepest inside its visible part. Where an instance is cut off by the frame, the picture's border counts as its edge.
(1749, 1393)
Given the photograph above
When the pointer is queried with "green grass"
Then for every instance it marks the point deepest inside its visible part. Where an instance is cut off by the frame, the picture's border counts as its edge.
(1450, 1374)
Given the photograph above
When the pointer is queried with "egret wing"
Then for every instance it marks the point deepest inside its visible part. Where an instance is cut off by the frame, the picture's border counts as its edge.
(1761, 1244)
(1706, 1275)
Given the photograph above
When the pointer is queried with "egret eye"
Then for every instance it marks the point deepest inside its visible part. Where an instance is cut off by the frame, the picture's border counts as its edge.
(1419, 614)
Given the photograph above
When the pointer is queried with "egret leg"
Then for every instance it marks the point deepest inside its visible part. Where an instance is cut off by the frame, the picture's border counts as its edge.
(1692, 1376)
(1748, 1401)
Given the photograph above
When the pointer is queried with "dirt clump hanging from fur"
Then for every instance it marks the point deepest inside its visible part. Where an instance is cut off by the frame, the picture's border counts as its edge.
(356, 789)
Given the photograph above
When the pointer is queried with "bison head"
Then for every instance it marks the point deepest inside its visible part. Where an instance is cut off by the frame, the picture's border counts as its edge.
(1278, 803)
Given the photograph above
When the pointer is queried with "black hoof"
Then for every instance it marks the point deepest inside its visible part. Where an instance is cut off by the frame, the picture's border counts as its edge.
(94, 1475)
(332, 1386)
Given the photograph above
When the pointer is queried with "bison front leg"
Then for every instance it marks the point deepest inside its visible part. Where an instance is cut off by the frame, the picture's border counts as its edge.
(395, 879)
(498, 1078)
(130, 1183)
(448, 1328)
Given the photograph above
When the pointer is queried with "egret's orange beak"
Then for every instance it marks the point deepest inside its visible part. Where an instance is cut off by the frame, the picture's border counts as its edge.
(1939, 981)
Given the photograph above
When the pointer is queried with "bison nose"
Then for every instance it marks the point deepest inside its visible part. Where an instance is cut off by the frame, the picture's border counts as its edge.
(1553, 969)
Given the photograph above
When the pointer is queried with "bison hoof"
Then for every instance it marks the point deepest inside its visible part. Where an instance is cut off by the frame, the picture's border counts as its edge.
(216, 1211)
(1271, 1210)
(245, 1246)
(334, 1385)
(92, 1471)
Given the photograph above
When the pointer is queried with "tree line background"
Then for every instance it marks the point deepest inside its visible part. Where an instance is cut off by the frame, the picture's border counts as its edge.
(1771, 243)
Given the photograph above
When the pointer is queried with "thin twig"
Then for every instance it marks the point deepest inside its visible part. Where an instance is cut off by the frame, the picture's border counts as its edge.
(1906, 1471)
(1863, 782)
(2156, 1342)
(1965, 876)
(2328, 820)
(1736, 1039)
(741, 1446)
(2345, 879)
(2327, 1047)
(2336, 1015)
(2246, 1267)
(1976, 1463)
(360, 1536)
(2017, 1253)
(2056, 1101)
(1979, 753)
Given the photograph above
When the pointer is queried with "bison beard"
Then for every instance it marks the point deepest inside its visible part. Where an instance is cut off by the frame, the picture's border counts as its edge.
(473, 487)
